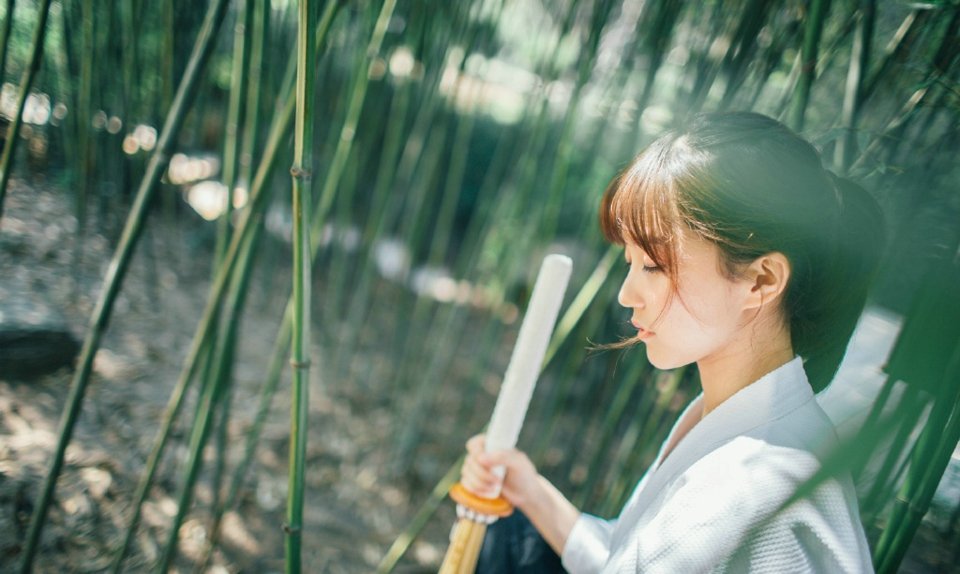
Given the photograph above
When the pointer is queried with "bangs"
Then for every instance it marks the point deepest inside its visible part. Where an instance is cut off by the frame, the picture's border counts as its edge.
(640, 206)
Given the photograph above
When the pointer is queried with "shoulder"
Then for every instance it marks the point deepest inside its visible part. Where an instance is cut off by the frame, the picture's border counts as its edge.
(748, 473)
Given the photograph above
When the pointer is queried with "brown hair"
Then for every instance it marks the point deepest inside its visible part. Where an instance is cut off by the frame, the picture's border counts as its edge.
(750, 185)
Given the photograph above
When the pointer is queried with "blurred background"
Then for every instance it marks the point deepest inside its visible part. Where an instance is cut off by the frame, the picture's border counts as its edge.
(145, 208)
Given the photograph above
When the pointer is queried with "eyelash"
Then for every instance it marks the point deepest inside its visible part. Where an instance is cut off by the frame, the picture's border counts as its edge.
(647, 268)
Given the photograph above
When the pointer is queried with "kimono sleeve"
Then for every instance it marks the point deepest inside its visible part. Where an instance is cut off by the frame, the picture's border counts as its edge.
(588, 545)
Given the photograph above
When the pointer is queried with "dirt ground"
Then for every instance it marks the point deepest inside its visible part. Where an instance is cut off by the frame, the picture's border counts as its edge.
(351, 514)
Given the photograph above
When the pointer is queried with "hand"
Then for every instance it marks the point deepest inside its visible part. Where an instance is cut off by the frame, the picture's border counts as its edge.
(521, 484)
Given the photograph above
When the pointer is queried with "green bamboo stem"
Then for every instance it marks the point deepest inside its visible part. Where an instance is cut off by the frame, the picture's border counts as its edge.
(249, 223)
(437, 495)
(130, 31)
(235, 113)
(210, 394)
(578, 307)
(167, 57)
(944, 60)
(26, 81)
(449, 323)
(819, 9)
(347, 134)
(788, 96)
(905, 35)
(67, 96)
(256, 15)
(927, 464)
(632, 379)
(119, 263)
(873, 417)
(267, 392)
(231, 164)
(251, 123)
(84, 116)
(645, 440)
(380, 206)
(742, 48)
(215, 386)
(856, 73)
(358, 95)
(910, 409)
(773, 56)
(657, 42)
(5, 36)
(705, 72)
(427, 509)
(300, 341)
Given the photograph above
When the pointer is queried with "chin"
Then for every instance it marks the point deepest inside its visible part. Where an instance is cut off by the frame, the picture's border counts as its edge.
(665, 363)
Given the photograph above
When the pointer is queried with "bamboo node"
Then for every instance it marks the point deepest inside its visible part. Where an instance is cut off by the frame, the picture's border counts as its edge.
(288, 529)
(300, 365)
(300, 173)
(912, 507)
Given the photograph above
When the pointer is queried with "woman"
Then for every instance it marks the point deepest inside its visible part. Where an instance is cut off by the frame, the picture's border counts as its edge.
(751, 260)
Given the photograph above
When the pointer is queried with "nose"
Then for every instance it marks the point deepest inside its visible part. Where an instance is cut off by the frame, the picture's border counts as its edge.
(628, 296)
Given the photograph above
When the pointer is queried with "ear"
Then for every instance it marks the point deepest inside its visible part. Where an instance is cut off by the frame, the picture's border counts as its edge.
(767, 278)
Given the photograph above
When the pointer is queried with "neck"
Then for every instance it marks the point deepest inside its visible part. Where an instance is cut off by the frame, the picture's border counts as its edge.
(741, 364)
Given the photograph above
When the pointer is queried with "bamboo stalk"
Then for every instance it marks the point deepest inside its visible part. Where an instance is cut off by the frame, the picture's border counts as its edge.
(84, 116)
(449, 325)
(927, 464)
(345, 142)
(358, 94)
(213, 387)
(201, 340)
(119, 264)
(406, 538)
(216, 386)
(859, 64)
(5, 36)
(615, 414)
(575, 312)
(742, 48)
(300, 341)
(251, 124)
(819, 9)
(901, 40)
(267, 392)
(645, 439)
(249, 223)
(236, 108)
(26, 81)
(235, 114)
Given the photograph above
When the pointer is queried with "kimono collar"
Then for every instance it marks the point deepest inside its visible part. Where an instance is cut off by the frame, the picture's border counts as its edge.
(768, 398)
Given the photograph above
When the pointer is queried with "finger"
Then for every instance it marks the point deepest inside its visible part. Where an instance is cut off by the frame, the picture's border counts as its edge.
(479, 480)
(477, 444)
(508, 457)
(479, 472)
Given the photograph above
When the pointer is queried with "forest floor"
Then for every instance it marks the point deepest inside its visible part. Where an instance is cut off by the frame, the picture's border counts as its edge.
(353, 512)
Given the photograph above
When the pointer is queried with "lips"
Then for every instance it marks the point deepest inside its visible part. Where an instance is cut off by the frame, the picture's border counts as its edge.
(641, 332)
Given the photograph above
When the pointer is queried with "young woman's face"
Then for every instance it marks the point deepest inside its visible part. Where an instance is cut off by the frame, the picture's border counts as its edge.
(696, 321)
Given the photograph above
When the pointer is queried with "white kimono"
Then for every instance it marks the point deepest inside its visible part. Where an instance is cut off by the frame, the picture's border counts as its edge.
(694, 511)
